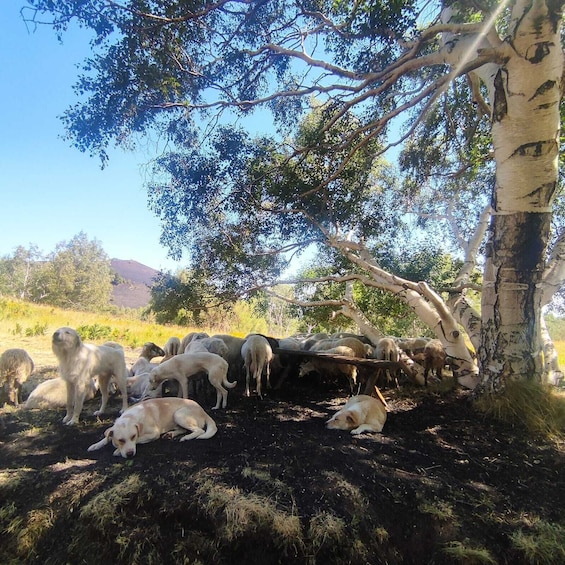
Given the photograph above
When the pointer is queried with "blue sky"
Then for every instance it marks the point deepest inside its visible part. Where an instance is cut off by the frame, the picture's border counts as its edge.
(51, 191)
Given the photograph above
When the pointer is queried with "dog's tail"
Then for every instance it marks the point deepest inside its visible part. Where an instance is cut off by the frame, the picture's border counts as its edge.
(227, 384)
(211, 429)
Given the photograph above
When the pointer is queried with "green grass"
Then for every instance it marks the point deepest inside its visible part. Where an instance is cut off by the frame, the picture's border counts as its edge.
(544, 542)
(30, 326)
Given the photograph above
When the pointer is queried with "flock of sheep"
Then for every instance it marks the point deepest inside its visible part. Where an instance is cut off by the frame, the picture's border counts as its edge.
(226, 358)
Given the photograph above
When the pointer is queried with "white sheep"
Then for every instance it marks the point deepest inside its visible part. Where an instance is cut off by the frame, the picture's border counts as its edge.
(257, 355)
(172, 347)
(189, 338)
(15, 368)
(387, 350)
(209, 344)
(233, 356)
(329, 368)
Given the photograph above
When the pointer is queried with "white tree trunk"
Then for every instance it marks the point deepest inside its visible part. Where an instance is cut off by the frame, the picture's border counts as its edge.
(525, 128)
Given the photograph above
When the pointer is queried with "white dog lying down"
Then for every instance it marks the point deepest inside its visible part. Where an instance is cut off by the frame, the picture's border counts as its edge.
(79, 363)
(150, 419)
(182, 367)
(360, 414)
(52, 393)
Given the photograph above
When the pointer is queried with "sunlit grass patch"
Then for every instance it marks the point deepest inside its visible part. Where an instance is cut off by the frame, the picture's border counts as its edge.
(37, 524)
(467, 554)
(10, 479)
(439, 509)
(101, 512)
(536, 407)
(326, 529)
(239, 514)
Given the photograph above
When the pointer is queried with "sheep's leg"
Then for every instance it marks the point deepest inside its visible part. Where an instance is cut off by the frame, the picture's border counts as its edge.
(247, 379)
(258, 376)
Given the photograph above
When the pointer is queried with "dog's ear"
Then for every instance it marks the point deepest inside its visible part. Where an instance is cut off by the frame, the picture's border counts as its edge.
(352, 418)
(139, 427)
(109, 433)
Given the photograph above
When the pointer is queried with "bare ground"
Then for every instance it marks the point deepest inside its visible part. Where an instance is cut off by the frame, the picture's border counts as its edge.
(441, 484)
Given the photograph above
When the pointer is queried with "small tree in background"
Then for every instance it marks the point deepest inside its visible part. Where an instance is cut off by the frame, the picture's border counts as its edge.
(78, 275)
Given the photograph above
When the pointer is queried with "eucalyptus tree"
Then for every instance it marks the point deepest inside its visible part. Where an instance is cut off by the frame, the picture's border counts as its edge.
(159, 65)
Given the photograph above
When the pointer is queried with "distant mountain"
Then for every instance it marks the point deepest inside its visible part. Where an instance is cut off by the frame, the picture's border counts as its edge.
(134, 293)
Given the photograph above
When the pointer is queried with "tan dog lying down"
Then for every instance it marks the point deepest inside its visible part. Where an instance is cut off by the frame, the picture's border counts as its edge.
(360, 414)
(150, 419)
(182, 367)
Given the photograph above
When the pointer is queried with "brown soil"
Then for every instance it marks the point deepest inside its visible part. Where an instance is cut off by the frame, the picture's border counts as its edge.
(441, 484)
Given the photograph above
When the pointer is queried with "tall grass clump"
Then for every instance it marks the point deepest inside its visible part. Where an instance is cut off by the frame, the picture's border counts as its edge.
(535, 406)
(544, 543)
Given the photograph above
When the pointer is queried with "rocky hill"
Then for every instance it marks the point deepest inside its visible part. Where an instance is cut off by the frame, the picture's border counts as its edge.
(134, 292)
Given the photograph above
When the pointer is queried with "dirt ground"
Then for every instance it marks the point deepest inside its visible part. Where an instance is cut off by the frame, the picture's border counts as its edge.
(441, 484)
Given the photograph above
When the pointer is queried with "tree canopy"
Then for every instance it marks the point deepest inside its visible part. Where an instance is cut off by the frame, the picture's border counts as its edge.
(478, 88)
(77, 274)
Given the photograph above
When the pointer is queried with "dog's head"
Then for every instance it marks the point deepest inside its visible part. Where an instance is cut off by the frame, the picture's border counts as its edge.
(344, 419)
(124, 434)
(64, 341)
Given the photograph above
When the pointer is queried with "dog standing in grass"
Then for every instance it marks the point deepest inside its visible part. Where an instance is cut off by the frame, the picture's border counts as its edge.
(79, 363)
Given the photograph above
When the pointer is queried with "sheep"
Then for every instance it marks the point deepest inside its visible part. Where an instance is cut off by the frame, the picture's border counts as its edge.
(149, 351)
(209, 344)
(283, 364)
(172, 348)
(348, 347)
(434, 359)
(233, 356)
(190, 337)
(15, 368)
(361, 338)
(313, 339)
(413, 346)
(357, 347)
(387, 350)
(257, 354)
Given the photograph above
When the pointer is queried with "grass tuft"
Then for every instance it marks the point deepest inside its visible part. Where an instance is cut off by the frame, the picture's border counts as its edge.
(464, 553)
(239, 514)
(543, 543)
(524, 403)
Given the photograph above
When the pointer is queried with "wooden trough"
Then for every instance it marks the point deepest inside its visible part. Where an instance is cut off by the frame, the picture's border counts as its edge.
(371, 366)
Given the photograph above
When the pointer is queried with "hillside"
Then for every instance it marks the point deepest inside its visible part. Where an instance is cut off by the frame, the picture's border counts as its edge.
(134, 293)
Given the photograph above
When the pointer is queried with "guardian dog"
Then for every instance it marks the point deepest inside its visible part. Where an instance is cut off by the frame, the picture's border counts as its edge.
(182, 367)
(52, 393)
(79, 363)
(150, 419)
(360, 414)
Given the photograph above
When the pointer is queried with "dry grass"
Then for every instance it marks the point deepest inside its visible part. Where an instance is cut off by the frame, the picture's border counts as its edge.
(30, 326)
(538, 408)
